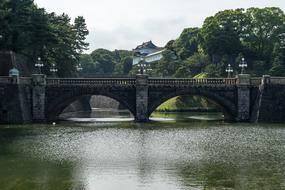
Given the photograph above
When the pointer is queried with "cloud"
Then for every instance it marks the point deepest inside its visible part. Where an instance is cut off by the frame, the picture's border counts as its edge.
(124, 24)
(128, 37)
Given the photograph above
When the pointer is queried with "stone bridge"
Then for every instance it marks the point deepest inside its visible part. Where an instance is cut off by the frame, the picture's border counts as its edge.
(40, 99)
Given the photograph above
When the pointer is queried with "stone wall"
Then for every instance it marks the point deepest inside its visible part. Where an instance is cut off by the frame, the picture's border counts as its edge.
(272, 108)
(15, 104)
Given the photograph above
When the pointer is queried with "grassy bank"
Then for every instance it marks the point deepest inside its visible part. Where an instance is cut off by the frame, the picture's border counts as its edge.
(187, 104)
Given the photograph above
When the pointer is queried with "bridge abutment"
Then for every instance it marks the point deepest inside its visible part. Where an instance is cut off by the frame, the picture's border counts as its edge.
(243, 97)
(38, 97)
(141, 98)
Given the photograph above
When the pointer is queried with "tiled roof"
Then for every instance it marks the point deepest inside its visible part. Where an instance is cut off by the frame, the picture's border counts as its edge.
(148, 45)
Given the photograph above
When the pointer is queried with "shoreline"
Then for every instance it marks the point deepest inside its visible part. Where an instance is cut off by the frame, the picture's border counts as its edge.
(188, 110)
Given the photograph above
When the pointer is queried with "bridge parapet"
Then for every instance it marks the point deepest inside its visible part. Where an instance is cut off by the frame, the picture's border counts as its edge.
(192, 82)
(26, 80)
(276, 80)
(91, 82)
(255, 81)
(5, 80)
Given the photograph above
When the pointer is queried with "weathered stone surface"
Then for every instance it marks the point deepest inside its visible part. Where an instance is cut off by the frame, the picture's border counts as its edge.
(141, 98)
(243, 94)
(38, 97)
(272, 107)
(15, 103)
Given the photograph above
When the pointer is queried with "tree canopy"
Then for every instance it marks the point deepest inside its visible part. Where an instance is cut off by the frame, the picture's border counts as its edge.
(29, 30)
(225, 38)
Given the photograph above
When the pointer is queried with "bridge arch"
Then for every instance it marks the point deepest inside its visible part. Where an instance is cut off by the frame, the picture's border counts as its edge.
(56, 105)
(226, 105)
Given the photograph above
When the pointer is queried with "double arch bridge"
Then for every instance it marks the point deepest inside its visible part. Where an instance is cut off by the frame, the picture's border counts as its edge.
(38, 98)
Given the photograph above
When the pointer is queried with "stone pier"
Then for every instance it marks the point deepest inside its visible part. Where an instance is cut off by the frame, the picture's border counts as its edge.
(141, 98)
(38, 97)
(243, 97)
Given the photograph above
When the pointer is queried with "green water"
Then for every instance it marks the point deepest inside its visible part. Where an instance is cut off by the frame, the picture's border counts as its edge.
(181, 152)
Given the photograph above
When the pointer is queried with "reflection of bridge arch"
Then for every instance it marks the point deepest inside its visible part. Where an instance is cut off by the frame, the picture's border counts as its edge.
(59, 99)
(226, 105)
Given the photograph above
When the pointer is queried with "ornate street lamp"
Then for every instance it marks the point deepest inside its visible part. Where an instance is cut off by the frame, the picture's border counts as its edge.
(142, 67)
(242, 65)
(282, 39)
(229, 70)
(53, 70)
(39, 65)
(79, 67)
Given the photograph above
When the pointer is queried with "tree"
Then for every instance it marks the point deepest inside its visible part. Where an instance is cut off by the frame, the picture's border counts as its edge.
(168, 65)
(221, 34)
(87, 64)
(127, 63)
(278, 68)
(196, 63)
(264, 28)
(31, 31)
(81, 32)
(187, 43)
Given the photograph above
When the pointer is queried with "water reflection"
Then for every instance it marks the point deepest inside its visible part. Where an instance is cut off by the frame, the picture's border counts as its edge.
(158, 155)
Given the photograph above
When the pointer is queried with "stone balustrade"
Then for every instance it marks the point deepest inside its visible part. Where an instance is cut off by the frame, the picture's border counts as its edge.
(5, 80)
(255, 81)
(277, 80)
(26, 80)
(91, 82)
(152, 81)
(192, 81)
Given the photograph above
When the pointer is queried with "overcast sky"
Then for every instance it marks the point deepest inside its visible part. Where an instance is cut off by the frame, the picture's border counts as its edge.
(124, 24)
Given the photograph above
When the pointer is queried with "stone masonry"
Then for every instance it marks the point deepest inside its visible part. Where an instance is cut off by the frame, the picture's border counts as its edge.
(40, 99)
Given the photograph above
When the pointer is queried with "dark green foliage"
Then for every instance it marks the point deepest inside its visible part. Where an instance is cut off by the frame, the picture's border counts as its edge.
(187, 44)
(31, 31)
(168, 65)
(278, 68)
(227, 37)
(107, 62)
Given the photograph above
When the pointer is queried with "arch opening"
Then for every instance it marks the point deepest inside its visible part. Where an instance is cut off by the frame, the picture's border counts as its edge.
(89, 108)
(193, 107)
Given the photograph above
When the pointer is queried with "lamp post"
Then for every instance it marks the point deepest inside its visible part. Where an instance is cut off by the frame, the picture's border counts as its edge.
(143, 67)
(39, 65)
(79, 68)
(242, 65)
(53, 70)
(282, 39)
(229, 70)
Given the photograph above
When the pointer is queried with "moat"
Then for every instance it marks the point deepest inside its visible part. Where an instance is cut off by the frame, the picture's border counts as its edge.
(174, 151)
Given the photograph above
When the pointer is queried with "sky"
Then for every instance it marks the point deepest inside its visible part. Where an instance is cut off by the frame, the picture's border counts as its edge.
(124, 24)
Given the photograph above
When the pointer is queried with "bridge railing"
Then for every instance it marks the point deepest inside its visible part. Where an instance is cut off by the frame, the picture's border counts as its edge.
(191, 81)
(277, 80)
(91, 81)
(26, 80)
(5, 80)
(255, 81)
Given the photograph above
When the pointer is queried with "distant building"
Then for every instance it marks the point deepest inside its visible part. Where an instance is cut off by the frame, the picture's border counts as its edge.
(148, 52)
